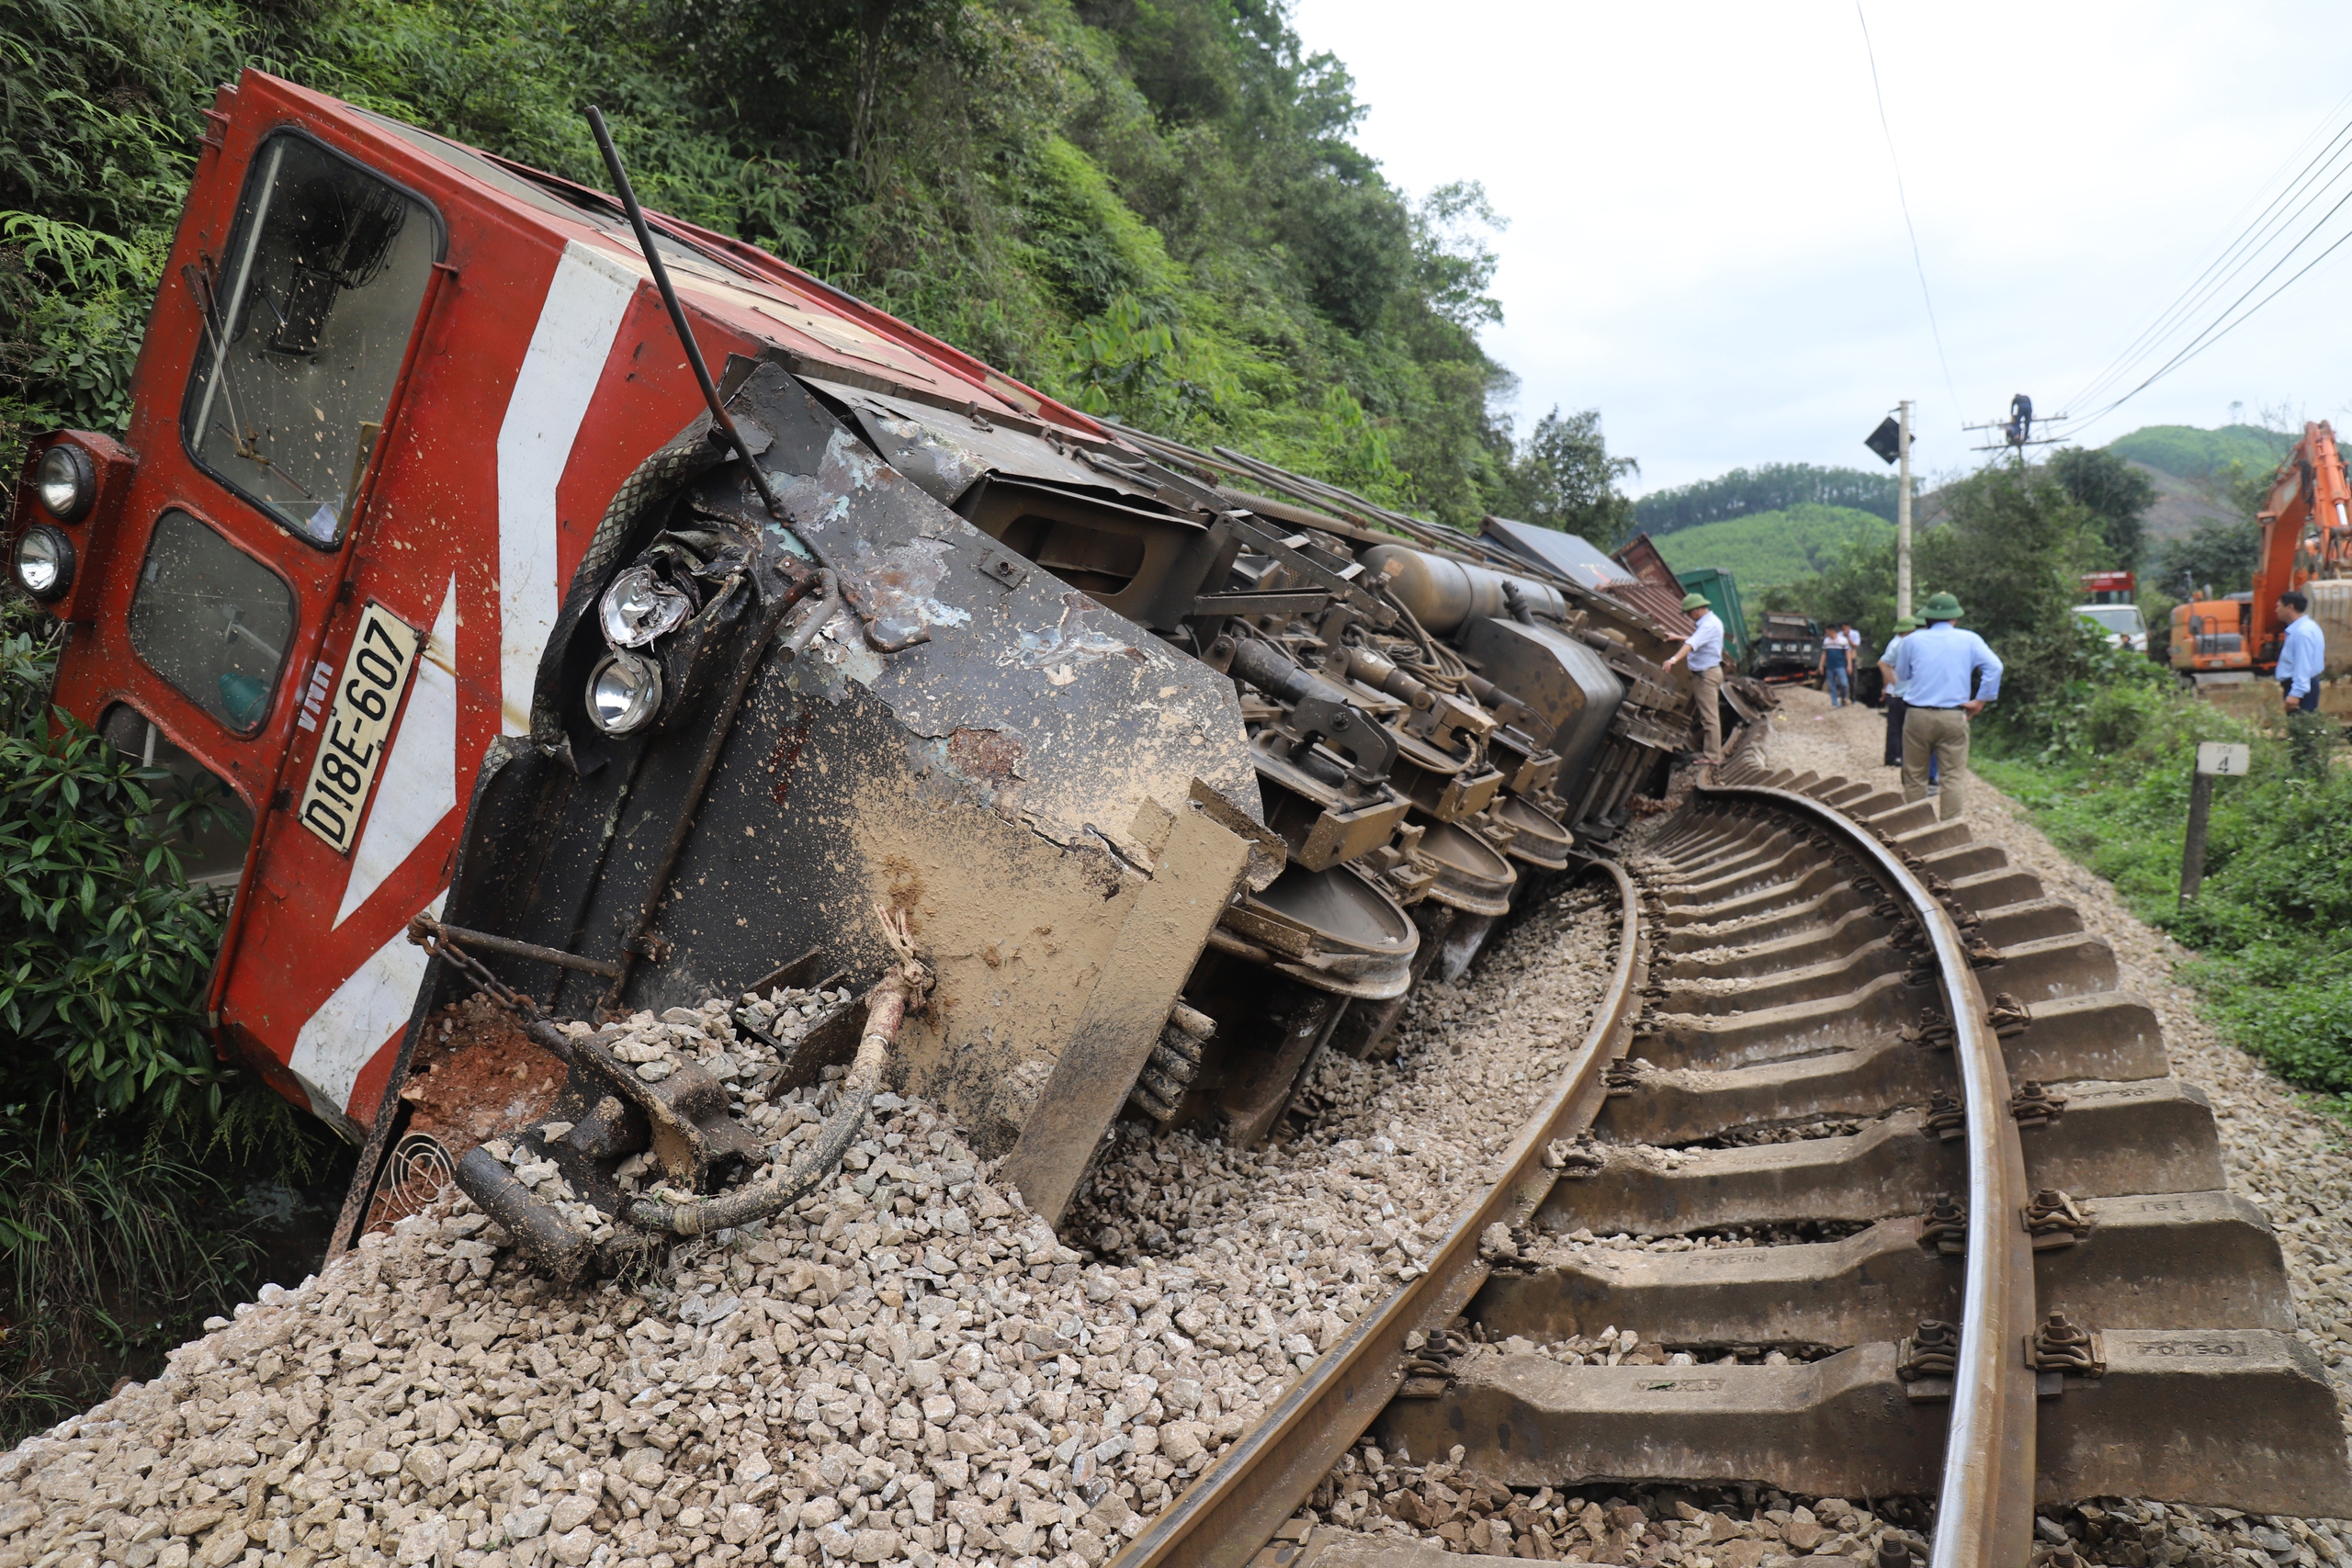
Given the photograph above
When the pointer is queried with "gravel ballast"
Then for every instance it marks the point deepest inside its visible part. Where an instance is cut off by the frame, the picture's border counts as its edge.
(2292, 1161)
(2296, 1164)
(906, 1367)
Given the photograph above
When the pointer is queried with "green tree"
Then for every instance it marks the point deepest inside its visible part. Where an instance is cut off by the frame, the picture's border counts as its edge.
(1564, 476)
(2013, 552)
(2112, 490)
(1857, 585)
(2220, 554)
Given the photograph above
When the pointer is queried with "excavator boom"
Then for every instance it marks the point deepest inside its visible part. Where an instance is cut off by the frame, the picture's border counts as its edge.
(2306, 532)
(2306, 545)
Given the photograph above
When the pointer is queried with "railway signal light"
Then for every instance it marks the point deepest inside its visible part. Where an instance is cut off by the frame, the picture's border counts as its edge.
(1886, 440)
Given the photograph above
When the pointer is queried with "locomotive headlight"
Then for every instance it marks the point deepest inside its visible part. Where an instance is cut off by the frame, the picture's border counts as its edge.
(45, 562)
(638, 607)
(624, 693)
(66, 482)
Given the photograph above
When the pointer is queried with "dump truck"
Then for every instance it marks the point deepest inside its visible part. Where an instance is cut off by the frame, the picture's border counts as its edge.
(586, 615)
(1788, 649)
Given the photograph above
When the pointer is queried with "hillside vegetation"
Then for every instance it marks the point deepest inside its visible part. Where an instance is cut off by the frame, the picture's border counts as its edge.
(1773, 547)
(1152, 209)
(2187, 453)
(1772, 487)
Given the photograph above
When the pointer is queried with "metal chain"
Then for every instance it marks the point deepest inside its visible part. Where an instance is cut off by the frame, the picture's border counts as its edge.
(433, 936)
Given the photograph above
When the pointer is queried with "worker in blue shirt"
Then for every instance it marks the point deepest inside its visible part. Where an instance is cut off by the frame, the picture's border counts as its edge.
(1704, 649)
(1947, 676)
(1893, 687)
(2302, 657)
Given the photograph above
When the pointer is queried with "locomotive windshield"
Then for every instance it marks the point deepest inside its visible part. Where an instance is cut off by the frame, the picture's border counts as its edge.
(306, 319)
(213, 620)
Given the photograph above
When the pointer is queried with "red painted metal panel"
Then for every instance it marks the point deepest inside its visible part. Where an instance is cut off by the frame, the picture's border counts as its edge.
(451, 526)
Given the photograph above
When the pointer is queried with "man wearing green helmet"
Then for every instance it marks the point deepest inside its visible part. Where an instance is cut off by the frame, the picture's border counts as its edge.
(1704, 649)
(1948, 675)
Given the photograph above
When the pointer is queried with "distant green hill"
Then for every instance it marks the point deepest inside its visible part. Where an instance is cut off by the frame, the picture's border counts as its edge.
(1769, 486)
(1769, 547)
(2187, 453)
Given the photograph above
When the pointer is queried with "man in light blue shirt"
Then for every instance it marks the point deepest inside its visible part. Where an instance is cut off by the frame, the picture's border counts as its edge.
(1946, 675)
(2302, 657)
(1704, 649)
(1893, 690)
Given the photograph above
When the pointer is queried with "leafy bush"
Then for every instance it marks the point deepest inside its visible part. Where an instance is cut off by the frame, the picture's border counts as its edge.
(112, 1248)
(1564, 476)
(105, 950)
(2110, 780)
(2117, 495)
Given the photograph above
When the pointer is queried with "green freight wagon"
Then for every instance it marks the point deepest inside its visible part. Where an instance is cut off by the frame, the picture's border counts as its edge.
(1721, 590)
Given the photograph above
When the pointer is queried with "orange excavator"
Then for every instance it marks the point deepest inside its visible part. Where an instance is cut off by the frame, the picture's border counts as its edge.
(2306, 545)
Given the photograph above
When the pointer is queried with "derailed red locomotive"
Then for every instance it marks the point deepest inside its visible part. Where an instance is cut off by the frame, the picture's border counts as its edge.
(424, 544)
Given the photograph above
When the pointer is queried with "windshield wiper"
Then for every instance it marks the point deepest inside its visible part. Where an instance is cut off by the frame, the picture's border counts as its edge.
(243, 439)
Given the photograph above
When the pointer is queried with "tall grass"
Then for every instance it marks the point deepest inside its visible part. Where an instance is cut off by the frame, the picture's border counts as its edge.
(108, 1255)
(2272, 923)
(122, 1139)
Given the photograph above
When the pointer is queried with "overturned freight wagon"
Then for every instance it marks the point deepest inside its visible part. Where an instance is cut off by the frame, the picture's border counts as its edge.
(528, 672)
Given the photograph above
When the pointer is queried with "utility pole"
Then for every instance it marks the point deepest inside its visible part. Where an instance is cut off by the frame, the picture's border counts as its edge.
(1903, 514)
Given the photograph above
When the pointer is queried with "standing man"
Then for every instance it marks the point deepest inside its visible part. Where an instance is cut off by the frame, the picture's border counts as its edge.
(2302, 656)
(1704, 649)
(1837, 660)
(1894, 687)
(1936, 665)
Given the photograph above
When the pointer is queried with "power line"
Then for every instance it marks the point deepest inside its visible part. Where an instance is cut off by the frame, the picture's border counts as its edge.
(1904, 201)
(2242, 252)
(2216, 332)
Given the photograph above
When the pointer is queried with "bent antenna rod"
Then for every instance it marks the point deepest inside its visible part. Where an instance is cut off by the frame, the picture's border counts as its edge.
(720, 419)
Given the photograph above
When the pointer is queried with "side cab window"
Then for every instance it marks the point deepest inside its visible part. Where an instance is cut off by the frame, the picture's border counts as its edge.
(213, 830)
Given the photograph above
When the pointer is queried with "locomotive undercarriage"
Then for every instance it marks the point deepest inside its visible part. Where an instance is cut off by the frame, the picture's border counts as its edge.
(1171, 785)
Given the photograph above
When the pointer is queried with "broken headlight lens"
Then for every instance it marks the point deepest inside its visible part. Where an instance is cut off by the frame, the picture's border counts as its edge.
(624, 693)
(639, 606)
(45, 562)
(66, 482)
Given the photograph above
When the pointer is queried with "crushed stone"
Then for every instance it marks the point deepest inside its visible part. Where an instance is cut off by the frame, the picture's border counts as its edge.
(905, 1367)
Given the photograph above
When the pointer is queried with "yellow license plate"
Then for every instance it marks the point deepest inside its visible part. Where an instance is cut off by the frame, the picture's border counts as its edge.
(367, 702)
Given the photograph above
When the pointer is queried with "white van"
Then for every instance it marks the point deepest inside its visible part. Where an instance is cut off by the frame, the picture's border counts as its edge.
(2121, 623)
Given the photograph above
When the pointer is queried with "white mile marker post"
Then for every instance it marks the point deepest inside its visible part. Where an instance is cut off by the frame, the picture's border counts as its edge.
(2214, 759)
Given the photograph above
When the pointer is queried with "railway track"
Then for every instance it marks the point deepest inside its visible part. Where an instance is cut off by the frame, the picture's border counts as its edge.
(1949, 1229)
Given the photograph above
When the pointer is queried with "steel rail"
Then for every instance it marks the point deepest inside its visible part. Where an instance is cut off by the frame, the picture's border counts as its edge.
(1238, 1503)
(1984, 1506)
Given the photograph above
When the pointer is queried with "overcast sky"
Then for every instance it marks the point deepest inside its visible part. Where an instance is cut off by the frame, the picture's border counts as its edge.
(1704, 238)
